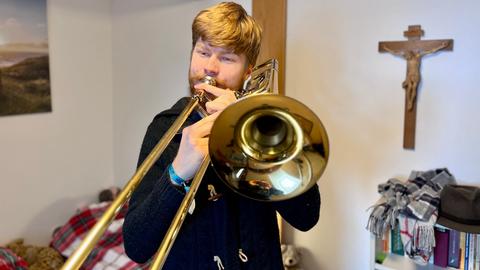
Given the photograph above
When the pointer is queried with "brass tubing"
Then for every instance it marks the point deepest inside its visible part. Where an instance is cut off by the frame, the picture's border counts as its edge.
(180, 216)
(76, 260)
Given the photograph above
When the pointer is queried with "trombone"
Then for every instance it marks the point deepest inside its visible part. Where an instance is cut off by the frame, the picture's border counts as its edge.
(276, 150)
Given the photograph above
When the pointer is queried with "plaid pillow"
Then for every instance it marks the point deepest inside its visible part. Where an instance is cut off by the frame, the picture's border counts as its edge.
(10, 260)
(109, 252)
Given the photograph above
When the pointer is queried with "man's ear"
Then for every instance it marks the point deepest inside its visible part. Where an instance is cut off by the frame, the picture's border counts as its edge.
(248, 72)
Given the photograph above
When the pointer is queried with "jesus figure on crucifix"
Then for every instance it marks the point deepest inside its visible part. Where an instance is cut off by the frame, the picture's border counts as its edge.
(412, 79)
(412, 50)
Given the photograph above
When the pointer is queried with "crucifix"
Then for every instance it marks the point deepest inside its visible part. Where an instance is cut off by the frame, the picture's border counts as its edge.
(412, 50)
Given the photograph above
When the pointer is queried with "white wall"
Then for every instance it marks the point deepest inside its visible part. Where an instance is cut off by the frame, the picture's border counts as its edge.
(52, 163)
(333, 65)
(151, 45)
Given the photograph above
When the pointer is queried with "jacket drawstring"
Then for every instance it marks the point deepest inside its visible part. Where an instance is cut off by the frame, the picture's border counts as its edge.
(243, 257)
(192, 207)
(219, 262)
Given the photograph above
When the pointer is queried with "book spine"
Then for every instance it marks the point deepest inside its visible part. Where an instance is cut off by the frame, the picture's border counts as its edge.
(477, 253)
(396, 241)
(474, 257)
(440, 251)
(386, 242)
(471, 256)
(380, 254)
(467, 250)
(454, 249)
(463, 236)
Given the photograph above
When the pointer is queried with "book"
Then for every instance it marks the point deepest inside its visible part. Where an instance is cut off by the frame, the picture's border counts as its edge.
(463, 236)
(477, 253)
(471, 255)
(386, 242)
(396, 241)
(473, 247)
(432, 257)
(440, 251)
(380, 253)
(454, 248)
(467, 250)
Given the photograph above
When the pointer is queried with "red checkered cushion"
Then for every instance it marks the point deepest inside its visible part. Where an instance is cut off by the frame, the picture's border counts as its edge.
(108, 252)
(10, 260)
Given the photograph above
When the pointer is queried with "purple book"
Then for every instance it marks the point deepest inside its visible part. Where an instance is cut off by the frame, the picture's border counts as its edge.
(440, 251)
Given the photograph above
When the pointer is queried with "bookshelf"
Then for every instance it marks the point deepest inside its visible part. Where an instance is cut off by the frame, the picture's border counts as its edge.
(397, 262)
(468, 242)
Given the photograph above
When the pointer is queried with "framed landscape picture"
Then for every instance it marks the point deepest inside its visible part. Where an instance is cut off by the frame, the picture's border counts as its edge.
(24, 57)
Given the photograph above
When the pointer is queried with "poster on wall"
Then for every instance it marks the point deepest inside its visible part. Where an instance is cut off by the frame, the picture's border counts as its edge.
(24, 58)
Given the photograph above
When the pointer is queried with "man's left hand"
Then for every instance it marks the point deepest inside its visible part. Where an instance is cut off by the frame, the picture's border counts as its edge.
(224, 97)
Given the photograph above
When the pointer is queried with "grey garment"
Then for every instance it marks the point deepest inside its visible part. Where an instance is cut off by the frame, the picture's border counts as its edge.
(418, 198)
(425, 200)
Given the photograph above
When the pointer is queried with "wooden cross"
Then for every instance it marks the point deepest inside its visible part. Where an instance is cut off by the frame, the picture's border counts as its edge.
(413, 50)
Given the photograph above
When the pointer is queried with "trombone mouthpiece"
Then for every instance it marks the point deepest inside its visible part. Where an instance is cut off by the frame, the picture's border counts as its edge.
(203, 97)
(209, 80)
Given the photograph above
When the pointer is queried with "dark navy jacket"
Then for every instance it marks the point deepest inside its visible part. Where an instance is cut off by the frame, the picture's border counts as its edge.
(217, 230)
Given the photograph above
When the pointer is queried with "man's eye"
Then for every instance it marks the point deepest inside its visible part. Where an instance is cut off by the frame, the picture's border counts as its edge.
(227, 59)
(203, 53)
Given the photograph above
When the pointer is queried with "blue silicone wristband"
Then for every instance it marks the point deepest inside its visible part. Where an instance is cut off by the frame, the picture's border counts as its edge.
(174, 177)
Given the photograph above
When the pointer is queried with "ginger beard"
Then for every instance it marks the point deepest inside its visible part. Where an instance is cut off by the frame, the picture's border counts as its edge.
(233, 84)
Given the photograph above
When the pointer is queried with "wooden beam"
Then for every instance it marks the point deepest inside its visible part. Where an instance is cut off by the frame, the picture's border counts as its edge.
(271, 15)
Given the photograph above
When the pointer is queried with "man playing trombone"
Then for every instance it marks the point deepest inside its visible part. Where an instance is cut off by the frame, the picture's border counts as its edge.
(224, 230)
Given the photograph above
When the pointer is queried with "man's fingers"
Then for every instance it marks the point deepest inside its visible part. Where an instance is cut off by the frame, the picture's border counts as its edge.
(212, 89)
(202, 128)
(216, 106)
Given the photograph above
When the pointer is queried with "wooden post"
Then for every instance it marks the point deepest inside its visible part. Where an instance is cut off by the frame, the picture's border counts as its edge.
(1, 84)
(271, 15)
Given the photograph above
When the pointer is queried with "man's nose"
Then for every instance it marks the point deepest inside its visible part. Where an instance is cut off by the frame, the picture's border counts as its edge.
(212, 66)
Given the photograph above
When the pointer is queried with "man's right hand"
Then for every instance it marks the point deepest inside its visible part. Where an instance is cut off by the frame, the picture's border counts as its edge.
(194, 144)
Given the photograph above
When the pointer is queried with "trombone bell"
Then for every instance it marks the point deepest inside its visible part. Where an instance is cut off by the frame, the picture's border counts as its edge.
(268, 147)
